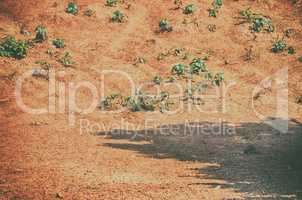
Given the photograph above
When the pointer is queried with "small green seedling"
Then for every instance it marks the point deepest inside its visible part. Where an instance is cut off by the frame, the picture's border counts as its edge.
(217, 3)
(117, 16)
(178, 69)
(10, 47)
(44, 64)
(216, 79)
(189, 9)
(140, 103)
(58, 43)
(132, 103)
(300, 59)
(278, 46)
(72, 8)
(66, 60)
(41, 34)
(107, 102)
(259, 22)
(157, 80)
(262, 23)
(197, 66)
(165, 26)
(111, 2)
(164, 95)
(291, 50)
(213, 12)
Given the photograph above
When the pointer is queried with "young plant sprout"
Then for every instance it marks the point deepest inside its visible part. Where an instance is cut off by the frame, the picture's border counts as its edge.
(259, 22)
(66, 60)
(117, 16)
(217, 3)
(58, 43)
(111, 2)
(72, 8)
(41, 34)
(178, 69)
(213, 12)
(157, 80)
(278, 46)
(10, 47)
(189, 9)
(197, 66)
(165, 26)
(106, 103)
(291, 50)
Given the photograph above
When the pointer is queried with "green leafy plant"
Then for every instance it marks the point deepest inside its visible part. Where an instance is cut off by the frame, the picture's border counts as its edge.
(213, 12)
(165, 26)
(197, 66)
(278, 46)
(10, 47)
(189, 9)
(300, 59)
(72, 8)
(66, 60)
(157, 80)
(217, 3)
(44, 64)
(291, 50)
(215, 79)
(58, 43)
(41, 34)
(178, 69)
(262, 23)
(117, 16)
(107, 102)
(140, 103)
(259, 22)
(111, 2)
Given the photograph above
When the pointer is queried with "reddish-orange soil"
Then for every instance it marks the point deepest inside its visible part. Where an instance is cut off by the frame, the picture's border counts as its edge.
(44, 157)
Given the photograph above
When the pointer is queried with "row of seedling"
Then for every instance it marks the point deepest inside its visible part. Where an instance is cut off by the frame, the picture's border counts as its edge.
(138, 102)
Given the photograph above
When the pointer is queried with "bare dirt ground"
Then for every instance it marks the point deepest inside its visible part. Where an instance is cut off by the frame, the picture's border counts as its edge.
(43, 157)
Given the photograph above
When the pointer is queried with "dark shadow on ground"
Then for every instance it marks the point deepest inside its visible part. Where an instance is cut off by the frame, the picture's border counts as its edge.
(252, 158)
